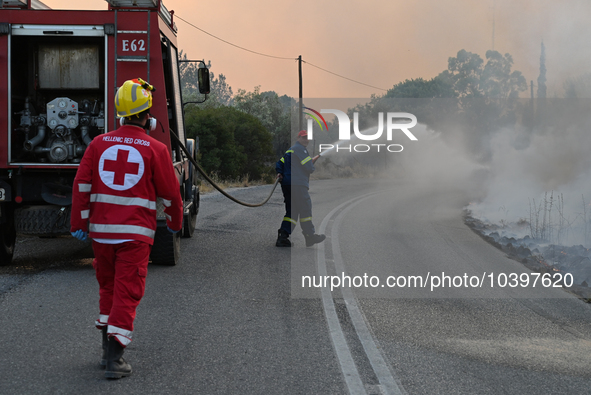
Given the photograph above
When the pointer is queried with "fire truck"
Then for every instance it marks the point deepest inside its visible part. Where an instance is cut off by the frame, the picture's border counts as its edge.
(59, 72)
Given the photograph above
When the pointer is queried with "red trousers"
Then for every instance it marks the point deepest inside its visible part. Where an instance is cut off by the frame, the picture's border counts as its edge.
(121, 271)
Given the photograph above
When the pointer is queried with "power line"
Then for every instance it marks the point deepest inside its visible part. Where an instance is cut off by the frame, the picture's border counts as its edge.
(276, 57)
(338, 75)
(234, 45)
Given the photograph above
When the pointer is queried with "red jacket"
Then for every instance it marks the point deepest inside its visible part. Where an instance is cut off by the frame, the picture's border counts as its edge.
(117, 183)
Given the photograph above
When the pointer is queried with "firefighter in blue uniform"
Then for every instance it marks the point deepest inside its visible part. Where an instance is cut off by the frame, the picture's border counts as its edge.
(294, 171)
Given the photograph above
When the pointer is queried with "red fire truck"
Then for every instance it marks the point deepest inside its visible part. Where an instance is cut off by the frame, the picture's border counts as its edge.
(59, 71)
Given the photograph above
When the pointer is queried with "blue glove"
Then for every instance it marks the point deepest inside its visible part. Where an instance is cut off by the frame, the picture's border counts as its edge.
(80, 235)
(172, 231)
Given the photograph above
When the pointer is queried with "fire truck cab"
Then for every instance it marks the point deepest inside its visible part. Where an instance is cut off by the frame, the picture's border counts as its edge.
(59, 72)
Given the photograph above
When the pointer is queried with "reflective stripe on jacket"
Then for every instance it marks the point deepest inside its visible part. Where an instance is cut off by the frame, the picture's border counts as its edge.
(296, 166)
(118, 181)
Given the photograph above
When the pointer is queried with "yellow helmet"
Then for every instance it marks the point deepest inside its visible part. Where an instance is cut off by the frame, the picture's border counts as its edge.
(133, 97)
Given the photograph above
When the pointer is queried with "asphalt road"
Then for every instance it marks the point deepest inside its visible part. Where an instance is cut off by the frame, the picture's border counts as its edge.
(233, 317)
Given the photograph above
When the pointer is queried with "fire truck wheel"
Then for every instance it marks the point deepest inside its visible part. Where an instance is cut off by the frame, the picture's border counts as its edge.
(7, 242)
(46, 220)
(190, 220)
(166, 250)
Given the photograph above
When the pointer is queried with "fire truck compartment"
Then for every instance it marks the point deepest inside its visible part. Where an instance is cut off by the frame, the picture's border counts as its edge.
(57, 93)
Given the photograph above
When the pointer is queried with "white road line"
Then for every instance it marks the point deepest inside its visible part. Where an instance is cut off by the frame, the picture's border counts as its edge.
(348, 368)
(388, 384)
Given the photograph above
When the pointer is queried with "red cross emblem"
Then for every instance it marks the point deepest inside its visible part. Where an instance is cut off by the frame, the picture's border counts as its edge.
(121, 167)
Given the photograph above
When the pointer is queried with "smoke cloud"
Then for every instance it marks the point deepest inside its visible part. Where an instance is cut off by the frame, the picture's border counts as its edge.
(544, 169)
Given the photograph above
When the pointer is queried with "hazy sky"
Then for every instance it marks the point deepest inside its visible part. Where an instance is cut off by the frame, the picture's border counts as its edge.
(378, 42)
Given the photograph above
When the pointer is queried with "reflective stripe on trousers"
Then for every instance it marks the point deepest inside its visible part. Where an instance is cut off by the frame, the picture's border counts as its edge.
(297, 205)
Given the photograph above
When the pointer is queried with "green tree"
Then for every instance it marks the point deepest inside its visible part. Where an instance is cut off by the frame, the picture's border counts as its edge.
(232, 143)
(273, 112)
(472, 78)
(438, 87)
(467, 102)
(488, 94)
(578, 87)
(221, 93)
(431, 101)
(465, 71)
(497, 81)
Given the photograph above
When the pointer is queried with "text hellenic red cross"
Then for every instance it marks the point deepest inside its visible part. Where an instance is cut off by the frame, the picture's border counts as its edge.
(121, 167)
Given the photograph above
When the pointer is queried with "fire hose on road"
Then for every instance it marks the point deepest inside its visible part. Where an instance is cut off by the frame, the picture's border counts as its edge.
(194, 162)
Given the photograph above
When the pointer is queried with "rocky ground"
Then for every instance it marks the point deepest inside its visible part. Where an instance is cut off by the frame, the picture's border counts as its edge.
(539, 256)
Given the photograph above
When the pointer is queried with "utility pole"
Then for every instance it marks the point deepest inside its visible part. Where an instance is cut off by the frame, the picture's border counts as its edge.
(532, 107)
(301, 109)
(493, 26)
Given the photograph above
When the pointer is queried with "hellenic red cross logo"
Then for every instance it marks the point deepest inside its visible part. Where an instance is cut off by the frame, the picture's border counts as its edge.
(121, 167)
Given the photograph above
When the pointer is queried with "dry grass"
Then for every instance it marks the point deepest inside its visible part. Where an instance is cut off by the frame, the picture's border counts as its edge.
(329, 170)
(326, 169)
(241, 182)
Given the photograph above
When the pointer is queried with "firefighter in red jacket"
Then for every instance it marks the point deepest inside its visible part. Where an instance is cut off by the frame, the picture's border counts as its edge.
(120, 177)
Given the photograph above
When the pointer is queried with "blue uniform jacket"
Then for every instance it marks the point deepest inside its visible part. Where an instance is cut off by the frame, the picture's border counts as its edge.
(296, 166)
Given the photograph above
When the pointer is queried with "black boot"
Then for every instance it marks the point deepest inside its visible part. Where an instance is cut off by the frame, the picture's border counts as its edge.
(116, 365)
(313, 239)
(283, 239)
(105, 346)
